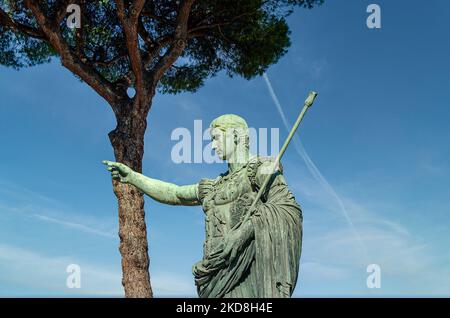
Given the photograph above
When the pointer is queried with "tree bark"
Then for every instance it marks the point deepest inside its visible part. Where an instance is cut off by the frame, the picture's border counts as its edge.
(128, 143)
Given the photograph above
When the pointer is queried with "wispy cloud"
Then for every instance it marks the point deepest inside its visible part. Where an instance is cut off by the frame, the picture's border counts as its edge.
(38, 274)
(315, 172)
(35, 274)
(76, 226)
(31, 204)
(333, 264)
(315, 69)
(24, 194)
(337, 255)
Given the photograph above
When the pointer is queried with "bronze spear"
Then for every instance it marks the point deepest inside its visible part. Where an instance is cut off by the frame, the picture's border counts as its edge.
(308, 103)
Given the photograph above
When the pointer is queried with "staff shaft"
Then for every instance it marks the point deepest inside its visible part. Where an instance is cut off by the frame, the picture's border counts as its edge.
(308, 103)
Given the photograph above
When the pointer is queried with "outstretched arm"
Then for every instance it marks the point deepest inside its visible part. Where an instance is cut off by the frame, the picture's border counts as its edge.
(158, 190)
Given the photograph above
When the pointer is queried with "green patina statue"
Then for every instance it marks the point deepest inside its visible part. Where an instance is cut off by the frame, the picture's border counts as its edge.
(256, 256)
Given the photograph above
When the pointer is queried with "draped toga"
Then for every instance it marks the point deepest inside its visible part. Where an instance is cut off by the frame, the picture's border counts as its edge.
(268, 264)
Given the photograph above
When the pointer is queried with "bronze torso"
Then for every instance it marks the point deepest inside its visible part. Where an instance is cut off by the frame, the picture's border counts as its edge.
(267, 264)
(223, 204)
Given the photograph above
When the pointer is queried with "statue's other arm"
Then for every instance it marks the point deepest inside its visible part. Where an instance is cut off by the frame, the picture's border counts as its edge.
(158, 190)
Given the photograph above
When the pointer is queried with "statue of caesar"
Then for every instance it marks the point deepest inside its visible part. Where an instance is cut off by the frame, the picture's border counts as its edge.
(243, 257)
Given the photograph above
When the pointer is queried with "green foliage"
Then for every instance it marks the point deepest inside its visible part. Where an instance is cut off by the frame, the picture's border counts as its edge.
(240, 37)
(16, 49)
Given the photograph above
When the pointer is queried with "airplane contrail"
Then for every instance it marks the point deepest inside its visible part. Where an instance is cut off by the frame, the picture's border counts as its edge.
(312, 168)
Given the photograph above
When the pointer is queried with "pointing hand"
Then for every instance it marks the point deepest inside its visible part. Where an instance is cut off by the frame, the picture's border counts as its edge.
(119, 171)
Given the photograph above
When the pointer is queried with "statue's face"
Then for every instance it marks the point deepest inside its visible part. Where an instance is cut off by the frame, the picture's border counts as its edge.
(223, 143)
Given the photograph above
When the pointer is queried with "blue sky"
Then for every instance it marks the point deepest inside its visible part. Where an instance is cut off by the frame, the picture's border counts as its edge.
(372, 171)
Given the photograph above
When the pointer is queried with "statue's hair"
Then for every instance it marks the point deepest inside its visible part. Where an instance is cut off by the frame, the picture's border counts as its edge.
(231, 121)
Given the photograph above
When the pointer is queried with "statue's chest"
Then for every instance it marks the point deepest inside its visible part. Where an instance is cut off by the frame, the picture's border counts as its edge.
(219, 202)
(227, 189)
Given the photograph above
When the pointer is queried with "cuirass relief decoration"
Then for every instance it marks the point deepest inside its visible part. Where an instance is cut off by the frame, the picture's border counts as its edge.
(224, 204)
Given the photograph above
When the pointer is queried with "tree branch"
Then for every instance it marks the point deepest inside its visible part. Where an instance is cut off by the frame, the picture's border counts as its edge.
(130, 27)
(136, 8)
(157, 18)
(144, 34)
(201, 28)
(178, 43)
(73, 63)
(8, 22)
(61, 9)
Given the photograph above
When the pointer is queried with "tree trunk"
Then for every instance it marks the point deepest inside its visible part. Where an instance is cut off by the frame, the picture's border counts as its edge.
(128, 143)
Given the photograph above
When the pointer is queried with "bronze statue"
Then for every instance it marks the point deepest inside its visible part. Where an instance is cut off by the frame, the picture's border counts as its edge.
(253, 222)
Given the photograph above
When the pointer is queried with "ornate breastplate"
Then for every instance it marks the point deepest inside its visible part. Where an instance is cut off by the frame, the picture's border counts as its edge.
(220, 205)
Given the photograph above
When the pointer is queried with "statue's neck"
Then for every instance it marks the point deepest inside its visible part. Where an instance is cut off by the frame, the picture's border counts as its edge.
(238, 160)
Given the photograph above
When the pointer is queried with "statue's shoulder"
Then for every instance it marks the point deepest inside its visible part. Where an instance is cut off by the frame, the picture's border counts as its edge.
(258, 167)
(204, 187)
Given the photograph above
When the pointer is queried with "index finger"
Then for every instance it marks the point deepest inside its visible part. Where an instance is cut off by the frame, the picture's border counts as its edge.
(110, 163)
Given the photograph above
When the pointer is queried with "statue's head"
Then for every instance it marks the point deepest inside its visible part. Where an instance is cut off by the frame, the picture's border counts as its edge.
(229, 134)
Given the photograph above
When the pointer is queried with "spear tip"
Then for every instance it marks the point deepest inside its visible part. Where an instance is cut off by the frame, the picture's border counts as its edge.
(310, 99)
